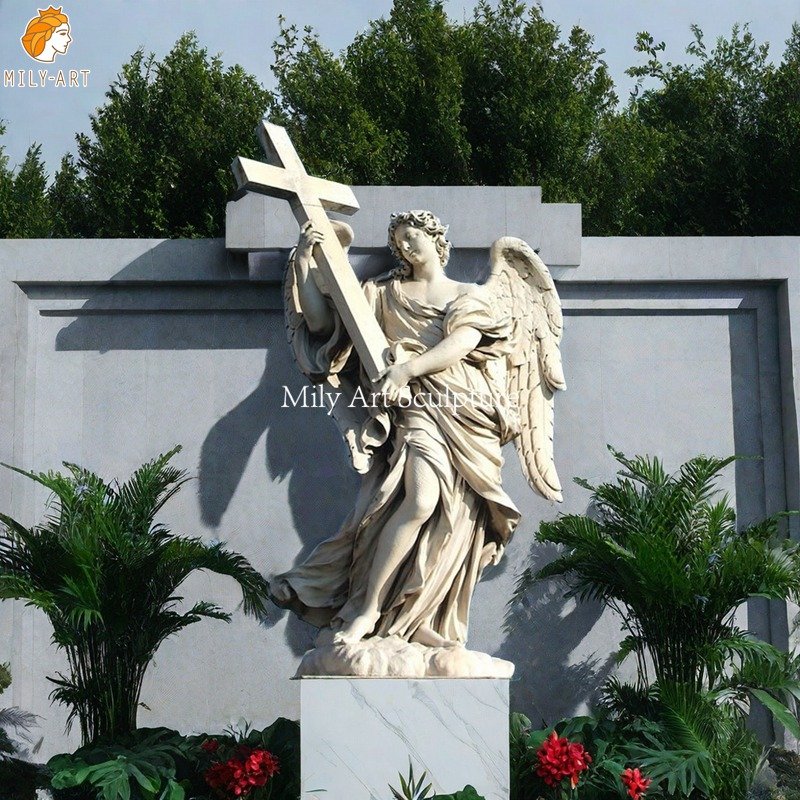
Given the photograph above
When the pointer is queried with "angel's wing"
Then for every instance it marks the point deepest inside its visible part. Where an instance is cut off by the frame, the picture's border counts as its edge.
(523, 286)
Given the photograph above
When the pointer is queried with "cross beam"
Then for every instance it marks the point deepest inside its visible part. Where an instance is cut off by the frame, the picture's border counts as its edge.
(310, 198)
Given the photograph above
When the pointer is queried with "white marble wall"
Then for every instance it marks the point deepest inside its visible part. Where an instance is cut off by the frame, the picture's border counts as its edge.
(358, 734)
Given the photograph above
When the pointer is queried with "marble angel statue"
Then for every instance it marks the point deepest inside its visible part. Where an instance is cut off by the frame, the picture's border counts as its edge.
(482, 363)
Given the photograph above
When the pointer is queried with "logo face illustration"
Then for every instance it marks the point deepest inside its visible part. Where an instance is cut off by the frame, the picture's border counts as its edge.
(47, 35)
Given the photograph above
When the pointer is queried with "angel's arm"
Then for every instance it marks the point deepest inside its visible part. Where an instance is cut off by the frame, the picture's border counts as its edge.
(452, 349)
(315, 308)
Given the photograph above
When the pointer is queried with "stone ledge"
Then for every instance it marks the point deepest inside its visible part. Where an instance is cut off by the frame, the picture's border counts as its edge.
(477, 215)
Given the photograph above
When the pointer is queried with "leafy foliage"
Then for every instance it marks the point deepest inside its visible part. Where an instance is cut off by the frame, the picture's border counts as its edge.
(146, 769)
(107, 577)
(24, 206)
(5, 677)
(157, 162)
(419, 99)
(6, 188)
(412, 788)
(684, 750)
(504, 98)
(162, 764)
(18, 721)
(467, 793)
(71, 215)
(14, 722)
(281, 739)
(20, 779)
(725, 130)
(665, 553)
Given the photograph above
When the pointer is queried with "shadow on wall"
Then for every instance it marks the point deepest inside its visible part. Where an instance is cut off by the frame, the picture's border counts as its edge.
(311, 454)
(543, 630)
(302, 448)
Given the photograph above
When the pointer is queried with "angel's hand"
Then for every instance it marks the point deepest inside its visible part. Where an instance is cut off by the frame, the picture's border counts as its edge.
(309, 237)
(393, 380)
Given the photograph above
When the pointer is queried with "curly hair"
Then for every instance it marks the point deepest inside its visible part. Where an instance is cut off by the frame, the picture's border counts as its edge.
(426, 221)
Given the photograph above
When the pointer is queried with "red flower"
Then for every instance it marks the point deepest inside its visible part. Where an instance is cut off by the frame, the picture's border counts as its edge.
(636, 783)
(210, 746)
(219, 776)
(243, 772)
(559, 758)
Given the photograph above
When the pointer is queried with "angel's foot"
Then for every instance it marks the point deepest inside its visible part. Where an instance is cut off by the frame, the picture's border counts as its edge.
(325, 637)
(425, 635)
(355, 631)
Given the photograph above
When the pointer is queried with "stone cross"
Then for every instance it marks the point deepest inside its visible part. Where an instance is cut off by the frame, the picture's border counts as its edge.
(309, 198)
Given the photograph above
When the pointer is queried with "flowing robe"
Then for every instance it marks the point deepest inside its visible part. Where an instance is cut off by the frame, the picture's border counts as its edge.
(461, 440)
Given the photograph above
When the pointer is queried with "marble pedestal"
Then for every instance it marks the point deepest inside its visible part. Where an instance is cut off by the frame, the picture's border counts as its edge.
(358, 733)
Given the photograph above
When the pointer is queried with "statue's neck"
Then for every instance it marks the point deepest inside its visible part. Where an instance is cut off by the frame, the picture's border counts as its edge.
(428, 272)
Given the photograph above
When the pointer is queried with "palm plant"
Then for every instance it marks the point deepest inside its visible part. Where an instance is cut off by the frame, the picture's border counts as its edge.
(107, 577)
(663, 550)
(666, 555)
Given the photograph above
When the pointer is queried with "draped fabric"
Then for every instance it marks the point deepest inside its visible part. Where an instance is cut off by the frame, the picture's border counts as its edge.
(457, 421)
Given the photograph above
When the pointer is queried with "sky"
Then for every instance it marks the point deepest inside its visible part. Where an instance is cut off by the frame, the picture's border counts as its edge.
(106, 32)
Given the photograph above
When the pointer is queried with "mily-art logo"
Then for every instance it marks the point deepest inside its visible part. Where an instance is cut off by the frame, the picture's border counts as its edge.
(47, 36)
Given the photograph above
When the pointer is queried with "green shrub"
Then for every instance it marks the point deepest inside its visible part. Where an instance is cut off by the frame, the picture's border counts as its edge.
(162, 764)
(108, 576)
(281, 739)
(412, 788)
(146, 770)
(664, 552)
(19, 780)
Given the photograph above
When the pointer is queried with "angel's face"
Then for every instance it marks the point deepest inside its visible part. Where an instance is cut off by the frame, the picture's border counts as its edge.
(61, 38)
(415, 245)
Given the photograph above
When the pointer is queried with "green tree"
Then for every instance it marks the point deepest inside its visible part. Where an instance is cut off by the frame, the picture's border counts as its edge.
(504, 98)
(70, 216)
(6, 189)
(24, 207)
(107, 576)
(420, 99)
(388, 110)
(710, 147)
(532, 102)
(409, 79)
(775, 200)
(620, 175)
(157, 162)
(726, 129)
(319, 105)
